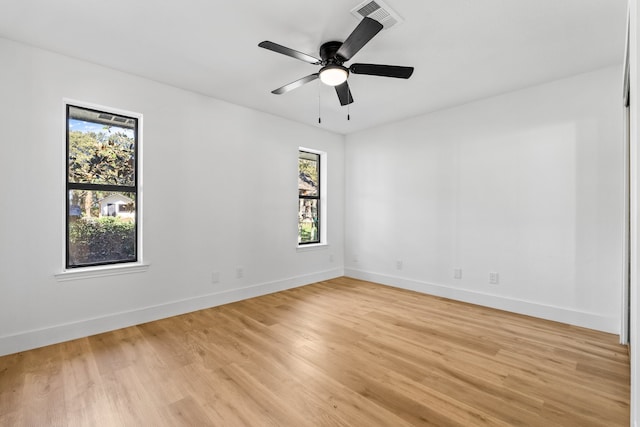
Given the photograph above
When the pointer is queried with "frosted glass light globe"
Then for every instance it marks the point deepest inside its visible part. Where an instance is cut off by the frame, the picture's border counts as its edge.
(333, 75)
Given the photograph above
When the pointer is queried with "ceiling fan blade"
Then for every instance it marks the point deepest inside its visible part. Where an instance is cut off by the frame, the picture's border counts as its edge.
(365, 31)
(289, 52)
(295, 85)
(344, 94)
(382, 70)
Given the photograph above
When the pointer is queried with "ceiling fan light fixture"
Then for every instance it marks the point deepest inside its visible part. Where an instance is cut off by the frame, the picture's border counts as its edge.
(334, 75)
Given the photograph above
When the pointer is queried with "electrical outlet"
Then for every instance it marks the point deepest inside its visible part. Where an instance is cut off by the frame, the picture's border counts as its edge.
(355, 259)
(330, 257)
(494, 278)
(239, 272)
(215, 277)
(457, 273)
(399, 264)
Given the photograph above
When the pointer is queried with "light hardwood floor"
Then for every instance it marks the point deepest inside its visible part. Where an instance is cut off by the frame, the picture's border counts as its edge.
(337, 353)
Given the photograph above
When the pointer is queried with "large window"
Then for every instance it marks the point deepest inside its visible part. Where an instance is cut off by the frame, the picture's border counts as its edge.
(102, 188)
(308, 197)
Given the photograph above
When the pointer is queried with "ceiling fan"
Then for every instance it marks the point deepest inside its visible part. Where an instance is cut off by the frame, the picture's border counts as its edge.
(333, 55)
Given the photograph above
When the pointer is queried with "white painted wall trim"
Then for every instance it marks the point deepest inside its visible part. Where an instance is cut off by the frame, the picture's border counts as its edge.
(529, 308)
(102, 271)
(69, 331)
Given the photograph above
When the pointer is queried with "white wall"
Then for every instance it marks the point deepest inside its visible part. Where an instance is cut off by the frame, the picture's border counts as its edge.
(528, 184)
(634, 331)
(220, 185)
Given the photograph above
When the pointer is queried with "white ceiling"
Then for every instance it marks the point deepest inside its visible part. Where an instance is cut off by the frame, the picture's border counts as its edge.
(462, 50)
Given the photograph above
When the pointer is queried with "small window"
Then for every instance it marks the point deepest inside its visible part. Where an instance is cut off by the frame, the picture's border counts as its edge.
(308, 197)
(102, 188)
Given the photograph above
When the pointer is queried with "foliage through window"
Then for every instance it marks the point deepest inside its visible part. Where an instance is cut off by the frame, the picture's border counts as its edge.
(308, 197)
(101, 190)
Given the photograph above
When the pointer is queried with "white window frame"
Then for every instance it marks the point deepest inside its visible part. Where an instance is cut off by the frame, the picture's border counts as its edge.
(77, 273)
(323, 198)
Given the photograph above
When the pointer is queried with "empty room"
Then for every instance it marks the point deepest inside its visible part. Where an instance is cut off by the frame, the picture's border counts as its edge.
(366, 213)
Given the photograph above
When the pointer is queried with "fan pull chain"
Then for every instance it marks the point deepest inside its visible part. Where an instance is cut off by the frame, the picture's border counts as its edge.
(349, 105)
(319, 92)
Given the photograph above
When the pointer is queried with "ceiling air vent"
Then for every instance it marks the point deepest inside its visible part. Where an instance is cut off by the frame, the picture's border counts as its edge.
(376, 9)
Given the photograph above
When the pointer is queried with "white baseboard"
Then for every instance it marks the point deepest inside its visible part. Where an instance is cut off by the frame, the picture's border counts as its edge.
(65, 332)
(529, 308)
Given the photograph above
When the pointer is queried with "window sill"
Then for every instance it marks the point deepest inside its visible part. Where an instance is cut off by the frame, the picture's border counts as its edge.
(312, 247)
(92, 272)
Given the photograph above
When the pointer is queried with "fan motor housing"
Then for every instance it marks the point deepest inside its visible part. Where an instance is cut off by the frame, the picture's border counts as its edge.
(328, 52)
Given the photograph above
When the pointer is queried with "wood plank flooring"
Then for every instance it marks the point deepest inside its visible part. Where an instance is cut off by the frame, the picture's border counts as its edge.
(337, 353)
